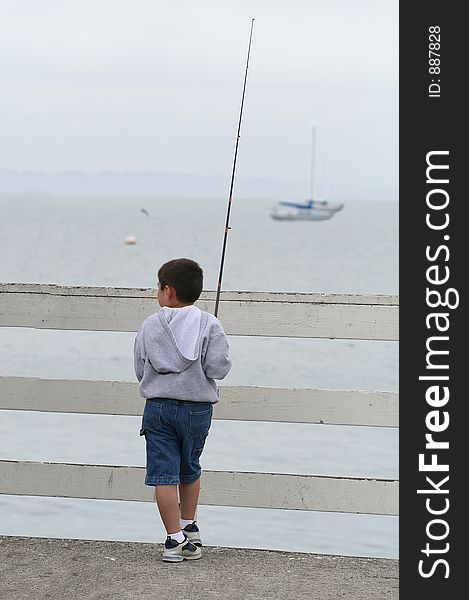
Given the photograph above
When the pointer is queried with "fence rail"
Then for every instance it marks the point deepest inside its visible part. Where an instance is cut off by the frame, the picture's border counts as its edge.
(218, 488)
(340, 316)
(243, 403)
(242, 313)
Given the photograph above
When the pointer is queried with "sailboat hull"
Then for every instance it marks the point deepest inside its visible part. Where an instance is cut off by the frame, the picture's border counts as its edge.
(302, 215)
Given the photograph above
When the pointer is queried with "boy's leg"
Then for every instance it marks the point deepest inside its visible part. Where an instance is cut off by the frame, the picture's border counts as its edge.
(193, 430)
(189, 497)
(175, 549)
(166, 497)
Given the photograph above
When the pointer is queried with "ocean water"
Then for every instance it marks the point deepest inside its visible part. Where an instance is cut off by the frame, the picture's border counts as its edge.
(80, 241)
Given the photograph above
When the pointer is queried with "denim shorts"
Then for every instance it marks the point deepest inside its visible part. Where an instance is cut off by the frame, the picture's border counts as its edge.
(175, 433)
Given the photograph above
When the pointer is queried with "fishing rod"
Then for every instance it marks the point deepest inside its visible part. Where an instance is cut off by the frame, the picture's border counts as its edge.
(230, 198)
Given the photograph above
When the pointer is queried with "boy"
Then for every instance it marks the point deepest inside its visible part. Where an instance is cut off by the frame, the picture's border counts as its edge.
(178, 353)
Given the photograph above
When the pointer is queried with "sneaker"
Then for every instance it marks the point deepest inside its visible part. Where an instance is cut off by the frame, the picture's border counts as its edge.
(192, 533)
(177, 552)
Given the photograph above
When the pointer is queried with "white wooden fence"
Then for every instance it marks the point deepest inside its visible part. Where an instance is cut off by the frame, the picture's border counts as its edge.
(242, 313)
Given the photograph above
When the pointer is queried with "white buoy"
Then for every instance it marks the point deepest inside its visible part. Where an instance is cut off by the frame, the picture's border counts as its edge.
(130, 239)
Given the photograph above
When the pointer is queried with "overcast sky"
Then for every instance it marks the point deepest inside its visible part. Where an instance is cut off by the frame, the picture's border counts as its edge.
(153, 85)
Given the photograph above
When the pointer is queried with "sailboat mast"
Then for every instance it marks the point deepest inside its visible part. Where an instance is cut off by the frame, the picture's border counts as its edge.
(313, 157)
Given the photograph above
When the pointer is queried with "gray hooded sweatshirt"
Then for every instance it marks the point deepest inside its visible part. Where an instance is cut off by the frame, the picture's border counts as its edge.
(178, 353)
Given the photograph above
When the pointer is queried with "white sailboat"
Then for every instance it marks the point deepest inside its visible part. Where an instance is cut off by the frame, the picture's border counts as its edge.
(310, 210)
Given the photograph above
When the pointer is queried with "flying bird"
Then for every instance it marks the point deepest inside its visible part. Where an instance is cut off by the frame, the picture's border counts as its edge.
(143, 210)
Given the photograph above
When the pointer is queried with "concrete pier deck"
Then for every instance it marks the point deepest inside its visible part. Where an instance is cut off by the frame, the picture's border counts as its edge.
(56, 569)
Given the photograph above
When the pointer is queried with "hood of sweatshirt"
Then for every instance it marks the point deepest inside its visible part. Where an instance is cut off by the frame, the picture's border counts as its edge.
(173, 338)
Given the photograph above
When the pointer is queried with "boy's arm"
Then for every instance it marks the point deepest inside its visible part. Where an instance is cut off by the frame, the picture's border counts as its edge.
(216, 363)
(139, 361)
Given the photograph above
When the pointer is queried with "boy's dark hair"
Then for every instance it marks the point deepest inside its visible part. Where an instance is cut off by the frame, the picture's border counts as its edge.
(185, 276)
